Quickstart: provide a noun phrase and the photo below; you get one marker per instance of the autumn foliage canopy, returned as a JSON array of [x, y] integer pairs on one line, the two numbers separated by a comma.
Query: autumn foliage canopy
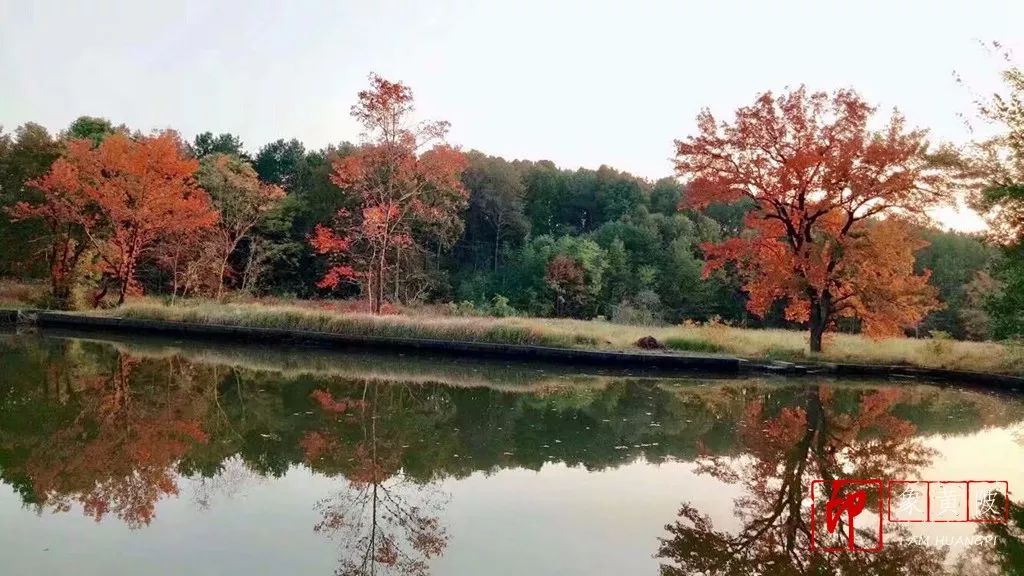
[[241, 199], [827, 234], [115, 201], [404, 200]]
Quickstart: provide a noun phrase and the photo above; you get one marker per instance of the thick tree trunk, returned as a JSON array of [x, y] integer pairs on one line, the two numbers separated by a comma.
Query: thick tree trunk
[[125, 280], [63, 262], [99, 295], [820, 313], [817, 331], [60, 286]]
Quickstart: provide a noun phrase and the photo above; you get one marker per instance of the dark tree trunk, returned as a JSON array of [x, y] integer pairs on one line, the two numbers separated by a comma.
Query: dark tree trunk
[[379, 300], [125, 281], [820, 313], [99, 295]]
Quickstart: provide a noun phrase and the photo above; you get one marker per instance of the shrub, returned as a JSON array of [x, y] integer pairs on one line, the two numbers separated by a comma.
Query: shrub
[[642, 310], [464, 308], [692, 345], [500, 307], [940, 344]]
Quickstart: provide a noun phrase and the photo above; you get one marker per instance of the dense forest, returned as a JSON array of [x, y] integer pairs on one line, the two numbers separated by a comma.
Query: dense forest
[[634, 256], [797, 212]]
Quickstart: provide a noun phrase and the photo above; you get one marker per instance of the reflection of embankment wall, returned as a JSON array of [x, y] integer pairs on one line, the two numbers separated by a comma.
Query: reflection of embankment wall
[[264, 416], [694, 363], [362, 365], [712, 364]]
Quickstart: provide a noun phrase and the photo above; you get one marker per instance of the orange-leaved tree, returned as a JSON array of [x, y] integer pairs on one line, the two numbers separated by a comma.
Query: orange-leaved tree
[[828, 232], [567, 279], [62, 210], [402, 197], [121, 197]]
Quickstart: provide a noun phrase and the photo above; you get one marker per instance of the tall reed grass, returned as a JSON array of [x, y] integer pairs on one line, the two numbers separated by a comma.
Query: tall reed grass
[[707, 338]]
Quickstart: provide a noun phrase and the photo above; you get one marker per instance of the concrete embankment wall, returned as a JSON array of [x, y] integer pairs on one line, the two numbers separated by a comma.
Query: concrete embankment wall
[[668, 361], [214, 332]]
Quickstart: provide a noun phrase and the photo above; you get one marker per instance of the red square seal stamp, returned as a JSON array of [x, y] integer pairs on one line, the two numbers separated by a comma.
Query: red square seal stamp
[[908, 500], [947, 501], [848, 513], [988, 501]]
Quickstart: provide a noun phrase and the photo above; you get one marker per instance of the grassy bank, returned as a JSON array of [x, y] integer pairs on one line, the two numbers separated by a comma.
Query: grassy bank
[[713, 338], [19, 294]]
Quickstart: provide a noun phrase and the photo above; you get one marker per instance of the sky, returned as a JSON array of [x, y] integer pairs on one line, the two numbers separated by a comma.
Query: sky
[[579, 83]]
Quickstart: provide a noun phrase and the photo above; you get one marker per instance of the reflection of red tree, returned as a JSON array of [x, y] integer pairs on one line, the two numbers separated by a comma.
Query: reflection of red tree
[[119, 453], [383, 521], [783, 454], [329, 404]]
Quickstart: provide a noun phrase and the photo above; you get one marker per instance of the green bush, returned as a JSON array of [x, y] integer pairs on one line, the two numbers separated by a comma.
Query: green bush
[[500, 307], [783, 353], [692, 345], [940, 343]]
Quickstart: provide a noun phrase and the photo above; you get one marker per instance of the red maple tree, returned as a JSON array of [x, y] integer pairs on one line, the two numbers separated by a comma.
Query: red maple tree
[[403, 197], [567, 279], [827, 232], [62, 211], [120, 197]]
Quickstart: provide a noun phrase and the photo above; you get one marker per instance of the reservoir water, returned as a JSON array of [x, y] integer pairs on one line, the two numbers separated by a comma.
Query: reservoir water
[[134, 456]]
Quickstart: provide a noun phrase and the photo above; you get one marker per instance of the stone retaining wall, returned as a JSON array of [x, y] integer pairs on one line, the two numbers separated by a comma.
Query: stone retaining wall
[[669, 361]]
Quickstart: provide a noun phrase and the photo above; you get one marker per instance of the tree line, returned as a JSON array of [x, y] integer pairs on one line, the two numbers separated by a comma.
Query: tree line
[[794, 213]]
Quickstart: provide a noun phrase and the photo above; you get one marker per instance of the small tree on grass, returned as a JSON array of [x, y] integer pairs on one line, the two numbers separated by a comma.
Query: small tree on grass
[[402, 199], [62, 210], [567, 281], [825, 235], [243, 202]]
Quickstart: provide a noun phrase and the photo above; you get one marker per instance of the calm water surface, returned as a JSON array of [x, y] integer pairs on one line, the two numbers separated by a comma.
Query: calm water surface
[[148, 457]]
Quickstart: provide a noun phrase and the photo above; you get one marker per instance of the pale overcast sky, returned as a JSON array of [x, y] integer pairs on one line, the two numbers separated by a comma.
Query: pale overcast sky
[[580, 83]]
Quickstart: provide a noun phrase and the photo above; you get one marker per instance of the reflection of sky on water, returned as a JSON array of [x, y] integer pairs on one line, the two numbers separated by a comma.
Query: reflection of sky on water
[[558, 520], [500, 517]]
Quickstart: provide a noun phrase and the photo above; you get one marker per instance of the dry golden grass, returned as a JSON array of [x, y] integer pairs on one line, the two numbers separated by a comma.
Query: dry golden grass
[[793, 345], [470, 329], [18, 293], [747, 343]]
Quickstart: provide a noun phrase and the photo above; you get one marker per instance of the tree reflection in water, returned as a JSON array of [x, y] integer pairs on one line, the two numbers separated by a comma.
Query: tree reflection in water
[[113, 430], [106, 444], [821, 435], [385, 522], [1002, 553]]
